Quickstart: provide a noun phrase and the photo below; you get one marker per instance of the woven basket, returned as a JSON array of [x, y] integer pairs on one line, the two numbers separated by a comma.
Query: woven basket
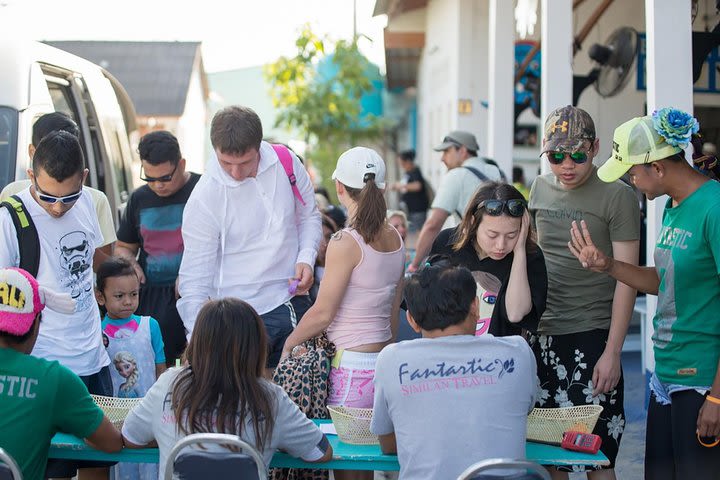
[[115, 409], [547, 425], [353, 424]]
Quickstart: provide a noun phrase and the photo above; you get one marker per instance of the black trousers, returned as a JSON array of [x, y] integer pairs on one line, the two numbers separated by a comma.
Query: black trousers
[[672, 450]]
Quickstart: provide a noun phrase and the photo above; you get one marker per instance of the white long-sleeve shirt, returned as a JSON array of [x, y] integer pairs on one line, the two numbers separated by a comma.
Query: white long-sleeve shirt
[[244, 238]]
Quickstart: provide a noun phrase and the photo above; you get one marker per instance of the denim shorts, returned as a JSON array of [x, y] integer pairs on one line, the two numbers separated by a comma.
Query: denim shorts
[[278, 325]]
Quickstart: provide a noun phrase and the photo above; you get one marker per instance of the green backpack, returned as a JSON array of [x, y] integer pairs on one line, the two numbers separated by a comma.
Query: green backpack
[[27, 235]]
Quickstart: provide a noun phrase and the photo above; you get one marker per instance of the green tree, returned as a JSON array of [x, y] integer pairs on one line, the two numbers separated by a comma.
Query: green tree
[[326, 111]]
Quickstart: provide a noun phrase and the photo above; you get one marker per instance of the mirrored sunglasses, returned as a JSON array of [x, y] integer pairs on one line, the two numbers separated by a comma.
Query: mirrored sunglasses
[[556, 158], [66, 200], [495, 208]]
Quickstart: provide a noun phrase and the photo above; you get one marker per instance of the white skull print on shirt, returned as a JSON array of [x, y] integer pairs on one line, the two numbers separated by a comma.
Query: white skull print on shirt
[[75, 259]]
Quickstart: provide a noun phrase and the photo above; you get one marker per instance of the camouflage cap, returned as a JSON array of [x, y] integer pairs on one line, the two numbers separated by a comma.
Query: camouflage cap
[[566, 129]]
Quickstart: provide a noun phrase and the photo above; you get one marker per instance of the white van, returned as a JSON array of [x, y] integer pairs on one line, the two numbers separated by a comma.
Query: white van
[[38, 79]]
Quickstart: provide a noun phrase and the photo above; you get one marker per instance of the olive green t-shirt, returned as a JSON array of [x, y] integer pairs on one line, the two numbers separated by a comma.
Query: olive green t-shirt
[[39, 398], [579, 300]]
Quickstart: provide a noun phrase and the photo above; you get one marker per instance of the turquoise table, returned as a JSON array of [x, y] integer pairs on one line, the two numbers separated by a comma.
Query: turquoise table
[[345, 456]]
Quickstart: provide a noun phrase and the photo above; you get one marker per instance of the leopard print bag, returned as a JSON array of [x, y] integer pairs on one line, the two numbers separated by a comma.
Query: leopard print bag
[[305, 379]]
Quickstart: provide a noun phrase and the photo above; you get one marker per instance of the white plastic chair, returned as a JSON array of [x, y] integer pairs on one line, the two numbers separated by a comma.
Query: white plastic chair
[[9, 469], [193, 464], [533, 470]]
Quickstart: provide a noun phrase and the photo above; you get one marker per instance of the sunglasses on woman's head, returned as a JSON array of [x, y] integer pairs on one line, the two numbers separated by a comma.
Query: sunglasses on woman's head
[[556, 158], [494, 208], [66, 200]]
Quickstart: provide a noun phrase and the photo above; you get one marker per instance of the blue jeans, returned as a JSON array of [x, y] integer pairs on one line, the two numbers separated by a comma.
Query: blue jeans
[[279, 325]]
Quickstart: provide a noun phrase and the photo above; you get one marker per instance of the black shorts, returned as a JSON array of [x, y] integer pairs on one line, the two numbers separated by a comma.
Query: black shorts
[[279, 325], [99, 383], [565, 365], [159, 302]]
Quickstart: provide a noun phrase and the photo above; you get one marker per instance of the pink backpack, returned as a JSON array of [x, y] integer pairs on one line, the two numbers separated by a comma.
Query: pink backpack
[[287, 162]]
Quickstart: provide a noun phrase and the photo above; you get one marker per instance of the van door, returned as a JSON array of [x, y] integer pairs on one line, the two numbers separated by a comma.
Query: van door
[[70, 95]]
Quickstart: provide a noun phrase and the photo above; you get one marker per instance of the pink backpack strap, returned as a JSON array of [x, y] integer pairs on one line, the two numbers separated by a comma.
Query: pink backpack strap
[[287, 162]]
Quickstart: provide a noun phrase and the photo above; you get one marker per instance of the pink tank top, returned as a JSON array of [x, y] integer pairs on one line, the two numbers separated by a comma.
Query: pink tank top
[[364, 313]]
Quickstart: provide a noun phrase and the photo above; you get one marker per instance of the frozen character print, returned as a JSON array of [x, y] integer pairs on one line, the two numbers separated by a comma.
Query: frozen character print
[[126, 366], [488, 286], [75, 260]]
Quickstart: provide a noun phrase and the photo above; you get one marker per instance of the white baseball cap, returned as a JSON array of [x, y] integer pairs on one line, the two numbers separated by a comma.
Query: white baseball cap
[[355, 166]]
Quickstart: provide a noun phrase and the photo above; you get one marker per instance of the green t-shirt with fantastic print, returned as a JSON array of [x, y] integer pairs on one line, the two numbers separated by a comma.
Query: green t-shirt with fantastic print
[[687, 258], [39, 398]]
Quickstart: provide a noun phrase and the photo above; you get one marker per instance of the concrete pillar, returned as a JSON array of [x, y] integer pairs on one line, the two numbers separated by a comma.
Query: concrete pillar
[[557, 54], [664, 89], [501, 91]]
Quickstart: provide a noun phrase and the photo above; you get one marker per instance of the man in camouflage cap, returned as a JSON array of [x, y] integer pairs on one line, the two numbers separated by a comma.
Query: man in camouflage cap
[[581, 333], [567, 129]]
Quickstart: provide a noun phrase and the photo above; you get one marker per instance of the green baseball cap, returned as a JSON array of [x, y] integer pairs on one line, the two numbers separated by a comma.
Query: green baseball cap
[[566, 130], [635, 142]]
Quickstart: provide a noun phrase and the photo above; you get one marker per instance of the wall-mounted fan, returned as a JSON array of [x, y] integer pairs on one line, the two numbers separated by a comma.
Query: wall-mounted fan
[[614, 62]]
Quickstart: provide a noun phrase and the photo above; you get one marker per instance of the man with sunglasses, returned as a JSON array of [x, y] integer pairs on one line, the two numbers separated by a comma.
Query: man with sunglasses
[[581, 333], [64, 215], [150, 233], [459, 150], [51, 122]]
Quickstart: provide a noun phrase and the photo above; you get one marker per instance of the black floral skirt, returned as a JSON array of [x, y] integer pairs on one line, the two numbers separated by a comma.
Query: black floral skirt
[[565, 366]]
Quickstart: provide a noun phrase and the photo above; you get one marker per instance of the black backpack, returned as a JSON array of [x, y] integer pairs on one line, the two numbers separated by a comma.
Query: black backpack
[[27, 235]]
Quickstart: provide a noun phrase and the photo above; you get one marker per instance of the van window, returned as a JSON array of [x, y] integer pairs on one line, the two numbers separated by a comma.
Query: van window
[[116, 159], [8, 144]]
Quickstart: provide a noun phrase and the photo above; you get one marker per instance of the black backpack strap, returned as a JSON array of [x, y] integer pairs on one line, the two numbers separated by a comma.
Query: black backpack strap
[[479, 175], [27, 235]]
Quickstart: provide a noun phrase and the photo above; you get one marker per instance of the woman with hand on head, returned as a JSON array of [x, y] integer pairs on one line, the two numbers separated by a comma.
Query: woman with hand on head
[[361, 291], [495, 242]]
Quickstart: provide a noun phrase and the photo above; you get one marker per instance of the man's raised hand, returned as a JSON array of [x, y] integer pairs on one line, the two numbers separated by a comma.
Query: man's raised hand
[[582, 246]]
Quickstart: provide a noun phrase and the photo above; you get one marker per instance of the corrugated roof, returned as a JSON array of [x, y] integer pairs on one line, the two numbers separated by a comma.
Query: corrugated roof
[[156, 75]]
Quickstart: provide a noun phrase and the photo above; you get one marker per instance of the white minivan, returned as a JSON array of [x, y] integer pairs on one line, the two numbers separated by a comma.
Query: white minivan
[[38, 79]]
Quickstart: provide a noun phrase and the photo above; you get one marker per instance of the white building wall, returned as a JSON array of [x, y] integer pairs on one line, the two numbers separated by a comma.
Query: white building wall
[[191, 125], [437, 83], [453, 67]]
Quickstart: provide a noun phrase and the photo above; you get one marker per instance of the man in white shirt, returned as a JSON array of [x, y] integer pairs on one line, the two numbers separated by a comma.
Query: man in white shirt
[[246, 232], [51, 122], [64, 216]]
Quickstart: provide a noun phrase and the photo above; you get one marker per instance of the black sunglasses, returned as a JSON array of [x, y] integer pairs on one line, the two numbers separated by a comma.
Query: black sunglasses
[[556, 158], [163, 179], [66, 200], [514, 207]]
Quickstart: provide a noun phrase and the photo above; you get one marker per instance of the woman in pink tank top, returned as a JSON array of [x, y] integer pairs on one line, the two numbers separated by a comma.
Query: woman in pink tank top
[[361, 290]]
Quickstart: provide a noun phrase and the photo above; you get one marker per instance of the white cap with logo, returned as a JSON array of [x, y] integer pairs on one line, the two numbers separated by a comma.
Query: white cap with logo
[[358, 165]]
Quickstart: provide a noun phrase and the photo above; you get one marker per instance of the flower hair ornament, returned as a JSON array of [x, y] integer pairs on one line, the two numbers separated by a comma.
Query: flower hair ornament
[[675, 126]]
